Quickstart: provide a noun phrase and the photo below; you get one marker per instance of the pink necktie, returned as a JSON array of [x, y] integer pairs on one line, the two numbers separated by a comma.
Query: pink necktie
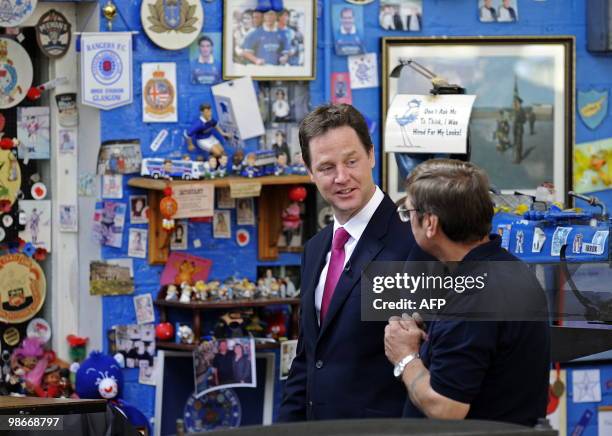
[[336, 265]]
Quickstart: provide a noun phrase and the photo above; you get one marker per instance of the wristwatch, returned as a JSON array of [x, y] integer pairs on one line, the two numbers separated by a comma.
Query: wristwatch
[[401, 365]]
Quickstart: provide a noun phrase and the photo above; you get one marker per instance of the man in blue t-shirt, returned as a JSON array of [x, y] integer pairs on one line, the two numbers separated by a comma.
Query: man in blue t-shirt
[[487, 354], [205, 133], [204, 69], [266, 45], [348, 41]]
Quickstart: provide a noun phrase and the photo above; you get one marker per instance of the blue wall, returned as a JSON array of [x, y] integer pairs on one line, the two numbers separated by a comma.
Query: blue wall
[[441, 17]]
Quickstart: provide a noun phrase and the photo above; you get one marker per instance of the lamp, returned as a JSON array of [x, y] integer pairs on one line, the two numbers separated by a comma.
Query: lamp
[[440, 84]]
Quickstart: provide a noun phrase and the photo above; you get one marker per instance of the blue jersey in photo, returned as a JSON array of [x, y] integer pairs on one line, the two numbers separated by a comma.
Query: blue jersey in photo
[[349, 44], [266, 45], [205, 73]]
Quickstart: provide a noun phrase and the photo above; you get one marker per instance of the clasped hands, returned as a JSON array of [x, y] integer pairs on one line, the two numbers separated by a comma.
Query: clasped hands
[[404, 336]]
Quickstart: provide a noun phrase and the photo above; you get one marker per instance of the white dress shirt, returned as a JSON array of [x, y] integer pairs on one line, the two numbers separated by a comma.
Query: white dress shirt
[[355, 227]]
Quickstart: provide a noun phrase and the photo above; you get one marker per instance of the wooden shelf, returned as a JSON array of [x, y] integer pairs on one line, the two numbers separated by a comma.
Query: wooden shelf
[[201, 305], [160, 184], [167, 345]]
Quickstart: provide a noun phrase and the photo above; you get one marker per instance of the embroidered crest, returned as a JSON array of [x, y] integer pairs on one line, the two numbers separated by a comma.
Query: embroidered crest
[[159, 95], [15, 12], [172, 15], [593, 107], [15, 73]]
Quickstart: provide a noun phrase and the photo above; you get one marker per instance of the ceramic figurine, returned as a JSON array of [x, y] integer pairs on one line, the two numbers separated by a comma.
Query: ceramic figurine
[[201, 290], [185, 334], [281, 164], [211, 167], [249, 169], [186, 291], [222, 169], [171, 293], [205, 133]]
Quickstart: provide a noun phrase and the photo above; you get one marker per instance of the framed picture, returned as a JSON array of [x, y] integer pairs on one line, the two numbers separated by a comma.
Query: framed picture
[[522, 123], [271, 45]]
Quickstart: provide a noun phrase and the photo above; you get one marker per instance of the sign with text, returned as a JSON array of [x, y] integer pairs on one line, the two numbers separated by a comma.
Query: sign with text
[[428, 124], [194, 200], [245, 189], [106, 69]]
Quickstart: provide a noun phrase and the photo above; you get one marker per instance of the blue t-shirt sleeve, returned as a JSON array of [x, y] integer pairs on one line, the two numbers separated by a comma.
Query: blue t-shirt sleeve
[[460, 357], [250, 40]]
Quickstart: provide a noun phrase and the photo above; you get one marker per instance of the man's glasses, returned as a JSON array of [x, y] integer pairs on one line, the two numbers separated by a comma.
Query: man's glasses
[[404, 213]]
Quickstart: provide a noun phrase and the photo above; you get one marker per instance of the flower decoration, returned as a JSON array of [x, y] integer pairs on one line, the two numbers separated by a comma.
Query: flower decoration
[[168, 208], [40, 254]]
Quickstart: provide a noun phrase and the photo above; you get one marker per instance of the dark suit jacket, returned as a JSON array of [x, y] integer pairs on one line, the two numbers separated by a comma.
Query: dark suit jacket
[[340, 369]]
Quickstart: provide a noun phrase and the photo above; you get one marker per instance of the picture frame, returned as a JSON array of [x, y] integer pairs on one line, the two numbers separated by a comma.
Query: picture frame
[[544, 81], [293, 59]]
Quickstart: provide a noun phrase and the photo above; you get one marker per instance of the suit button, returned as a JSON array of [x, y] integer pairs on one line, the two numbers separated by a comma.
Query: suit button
[[319, 364], [310, 403]]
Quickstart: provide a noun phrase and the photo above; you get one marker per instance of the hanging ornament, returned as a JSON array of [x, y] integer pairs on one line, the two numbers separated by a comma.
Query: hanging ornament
[[110, 12], [168, 208]]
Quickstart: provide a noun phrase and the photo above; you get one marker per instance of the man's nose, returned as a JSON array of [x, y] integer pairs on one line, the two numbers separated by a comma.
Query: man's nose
[[342, 174]]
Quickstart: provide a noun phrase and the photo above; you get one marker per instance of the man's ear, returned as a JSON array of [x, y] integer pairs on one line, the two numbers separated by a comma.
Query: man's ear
[[432, 225], [372, 157]]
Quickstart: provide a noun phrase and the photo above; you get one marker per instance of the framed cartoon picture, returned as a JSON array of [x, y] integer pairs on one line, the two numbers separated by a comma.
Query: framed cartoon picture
[[269, 45], [522, 123]]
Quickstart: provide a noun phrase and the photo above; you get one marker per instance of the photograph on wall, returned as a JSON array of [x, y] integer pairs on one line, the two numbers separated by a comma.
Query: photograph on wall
[[159, 92], [205, 59], [224, 199], [269, 45], [37, 223], [500, 11], [33, 132], [347, 22], [283, 139], [224, 363], [180, 236], [341, 88], [68, 114], [287, 354], [593, 166], [67, 140], [138, 209], [108, 222], [364, 71], [137, 243], [111, 277], [521, 123], [68, 218], [136, 342], [222, 224], [245, 212], [403, 15], [181, 267], [146, 372], [280, 109], [143, 307], [112, 186], [119, 156]]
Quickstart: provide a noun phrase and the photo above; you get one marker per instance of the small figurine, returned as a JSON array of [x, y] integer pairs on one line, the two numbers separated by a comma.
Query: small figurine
[[237, 160], [185, 334], [205, 133], [171, 293], [50, 386], [222, 168], [201, 290], [249, 169], [65, 386], [186, 291], [281, 164], [78, 345], [290, 289], [297, 165], [210, 167]]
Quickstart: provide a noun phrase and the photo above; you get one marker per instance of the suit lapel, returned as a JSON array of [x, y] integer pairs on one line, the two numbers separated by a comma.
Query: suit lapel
[[367, 249], [313, 272]]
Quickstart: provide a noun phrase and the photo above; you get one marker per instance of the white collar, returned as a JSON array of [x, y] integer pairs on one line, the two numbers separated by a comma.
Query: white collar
[[211, 61], [351, 32], [204, 120], [268, 29], [357, 224]]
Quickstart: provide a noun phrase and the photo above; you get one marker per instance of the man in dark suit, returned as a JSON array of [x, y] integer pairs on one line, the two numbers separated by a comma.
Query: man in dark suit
[[340, 370]]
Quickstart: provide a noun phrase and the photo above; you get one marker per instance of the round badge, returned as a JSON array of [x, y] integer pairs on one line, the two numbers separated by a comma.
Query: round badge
[[22, 288], [15, 72], [11, 336], [218, 409], [106, 67], [38, 191], [2, 234], [172, 25], [243, 237], [15, 12], [7, 220], [39, 328]]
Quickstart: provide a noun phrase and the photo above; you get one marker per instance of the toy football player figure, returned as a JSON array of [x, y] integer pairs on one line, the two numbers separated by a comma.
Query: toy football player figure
[[205, 133]]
